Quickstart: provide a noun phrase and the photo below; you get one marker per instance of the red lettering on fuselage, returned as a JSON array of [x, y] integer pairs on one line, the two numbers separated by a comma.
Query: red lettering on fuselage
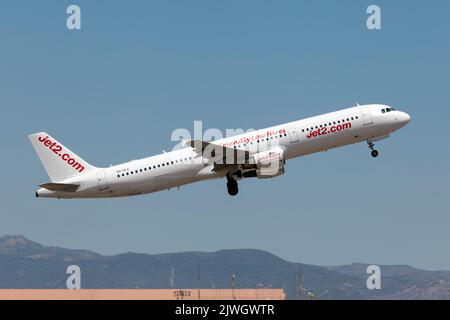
[[326, 130], [256, 137]]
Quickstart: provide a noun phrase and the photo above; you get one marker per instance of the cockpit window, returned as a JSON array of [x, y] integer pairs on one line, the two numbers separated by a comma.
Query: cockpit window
[[387, 110]]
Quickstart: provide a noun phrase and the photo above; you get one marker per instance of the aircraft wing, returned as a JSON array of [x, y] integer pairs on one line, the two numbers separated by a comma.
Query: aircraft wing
[[221, 156]]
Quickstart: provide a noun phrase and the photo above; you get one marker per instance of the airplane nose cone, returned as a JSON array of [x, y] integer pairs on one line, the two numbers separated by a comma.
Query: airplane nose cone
[[403, 118]]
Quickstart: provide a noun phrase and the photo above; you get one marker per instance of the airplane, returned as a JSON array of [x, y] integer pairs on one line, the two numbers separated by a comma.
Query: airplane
[[258, 154]]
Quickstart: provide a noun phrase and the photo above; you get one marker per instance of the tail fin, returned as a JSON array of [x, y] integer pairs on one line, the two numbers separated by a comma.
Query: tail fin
[[59, 162]]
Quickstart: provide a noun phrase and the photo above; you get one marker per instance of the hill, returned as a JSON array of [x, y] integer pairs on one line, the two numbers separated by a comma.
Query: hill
[[26, 264]]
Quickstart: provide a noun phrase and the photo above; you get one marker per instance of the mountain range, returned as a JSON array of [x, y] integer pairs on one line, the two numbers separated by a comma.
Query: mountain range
[[30, 265]]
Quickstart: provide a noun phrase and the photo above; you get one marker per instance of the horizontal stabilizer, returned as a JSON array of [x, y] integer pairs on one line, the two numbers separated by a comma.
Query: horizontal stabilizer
[[66, 187]]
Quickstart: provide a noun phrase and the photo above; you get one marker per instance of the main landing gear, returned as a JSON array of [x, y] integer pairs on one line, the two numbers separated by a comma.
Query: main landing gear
[[374, 152], [232, 186]]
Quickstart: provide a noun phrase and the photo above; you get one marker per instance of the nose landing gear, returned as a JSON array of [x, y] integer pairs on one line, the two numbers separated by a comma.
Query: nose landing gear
[[232, 186], [374, 152]]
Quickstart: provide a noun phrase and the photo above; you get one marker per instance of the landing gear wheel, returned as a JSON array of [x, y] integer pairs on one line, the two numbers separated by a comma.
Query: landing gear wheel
[[232, 186], [232, 191], [374, 153]]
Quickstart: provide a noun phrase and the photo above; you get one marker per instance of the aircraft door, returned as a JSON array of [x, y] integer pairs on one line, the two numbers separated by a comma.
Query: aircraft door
[[366, 116], [293, 137], [101, 181]]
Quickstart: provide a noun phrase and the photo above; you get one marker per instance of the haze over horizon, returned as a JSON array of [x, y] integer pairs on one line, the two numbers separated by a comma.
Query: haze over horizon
[[115, 91]]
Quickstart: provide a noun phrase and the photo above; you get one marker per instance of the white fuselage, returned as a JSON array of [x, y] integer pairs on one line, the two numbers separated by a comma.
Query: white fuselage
[[184, 166]]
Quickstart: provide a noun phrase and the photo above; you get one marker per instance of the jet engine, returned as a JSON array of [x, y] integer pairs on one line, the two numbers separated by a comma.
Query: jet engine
[[268, 164]]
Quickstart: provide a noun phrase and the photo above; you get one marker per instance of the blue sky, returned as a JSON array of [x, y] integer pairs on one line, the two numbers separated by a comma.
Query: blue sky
[[115, 91]]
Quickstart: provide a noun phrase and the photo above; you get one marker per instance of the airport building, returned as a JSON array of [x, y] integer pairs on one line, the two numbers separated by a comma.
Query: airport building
[[142, 294]]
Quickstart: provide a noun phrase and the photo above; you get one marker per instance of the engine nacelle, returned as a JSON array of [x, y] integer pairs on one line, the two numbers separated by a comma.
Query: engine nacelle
[[269, 163]]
